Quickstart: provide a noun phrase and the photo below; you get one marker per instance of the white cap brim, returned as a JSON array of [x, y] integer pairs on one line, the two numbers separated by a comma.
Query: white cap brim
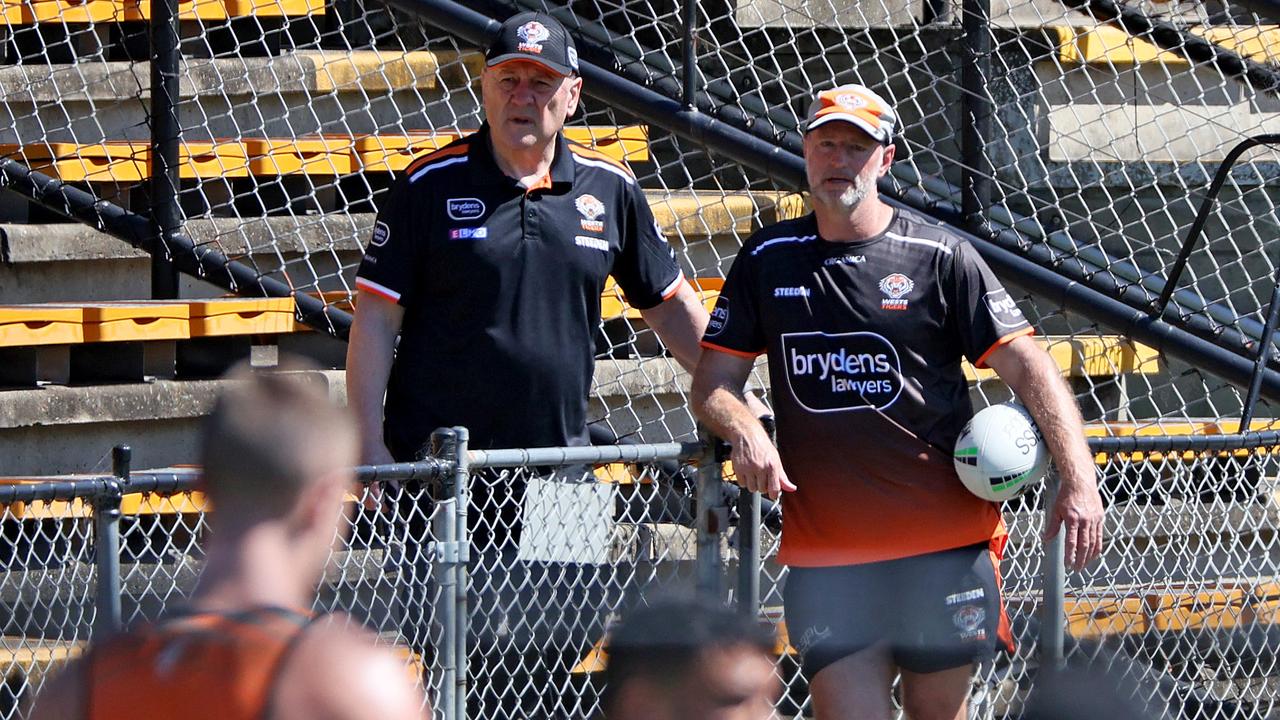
[[877, 133]]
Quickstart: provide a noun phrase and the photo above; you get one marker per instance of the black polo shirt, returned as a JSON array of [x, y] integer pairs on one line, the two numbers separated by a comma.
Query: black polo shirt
[[865, 343], [501, 289]]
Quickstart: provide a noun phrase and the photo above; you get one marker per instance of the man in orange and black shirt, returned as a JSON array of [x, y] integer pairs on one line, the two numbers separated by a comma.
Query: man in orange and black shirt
[[277, 458], [866, 312]]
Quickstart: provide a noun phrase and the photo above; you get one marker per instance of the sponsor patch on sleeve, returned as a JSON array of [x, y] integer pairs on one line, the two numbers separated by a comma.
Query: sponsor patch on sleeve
[[1004, 309], [381, 234], [719, 317]]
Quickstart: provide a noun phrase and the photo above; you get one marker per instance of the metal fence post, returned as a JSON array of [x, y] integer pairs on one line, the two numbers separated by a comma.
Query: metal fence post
[[1052, 614], [461, 497], [444, 562], [106, 543], [749, 553], [976, 112], [713, 517], [749, 541], [689, 55], [166, 214]]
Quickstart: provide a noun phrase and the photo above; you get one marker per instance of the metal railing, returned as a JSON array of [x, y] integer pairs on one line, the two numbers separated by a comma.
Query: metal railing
[[667, 529]]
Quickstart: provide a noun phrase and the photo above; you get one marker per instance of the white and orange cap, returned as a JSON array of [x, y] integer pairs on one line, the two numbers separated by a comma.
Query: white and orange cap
[[854, 104]]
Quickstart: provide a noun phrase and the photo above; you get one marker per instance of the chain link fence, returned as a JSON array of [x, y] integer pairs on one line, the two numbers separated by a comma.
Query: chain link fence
[[1093, 146], [558, 544]]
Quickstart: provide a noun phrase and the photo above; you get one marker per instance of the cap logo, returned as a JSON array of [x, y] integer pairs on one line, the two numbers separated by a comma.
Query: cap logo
[[532, 34], [851, 101], [572, 52], [590, 206]]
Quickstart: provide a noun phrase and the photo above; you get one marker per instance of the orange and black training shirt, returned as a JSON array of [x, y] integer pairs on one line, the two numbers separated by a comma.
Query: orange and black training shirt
[[865, 342], [198, 666]]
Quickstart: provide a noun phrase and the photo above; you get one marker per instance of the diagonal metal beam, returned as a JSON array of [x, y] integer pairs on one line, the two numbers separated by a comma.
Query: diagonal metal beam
[[202, 261]]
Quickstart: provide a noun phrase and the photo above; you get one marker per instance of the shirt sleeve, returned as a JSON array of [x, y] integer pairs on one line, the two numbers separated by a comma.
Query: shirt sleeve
[[986, 316], [646, 268], [390, 260], [734, 326]]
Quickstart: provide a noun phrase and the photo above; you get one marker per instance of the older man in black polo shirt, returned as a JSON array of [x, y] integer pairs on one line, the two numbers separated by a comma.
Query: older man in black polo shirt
[[488, 259]]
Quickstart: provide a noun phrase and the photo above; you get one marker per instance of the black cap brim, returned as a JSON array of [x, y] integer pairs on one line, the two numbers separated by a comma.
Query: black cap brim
[[557, 68]]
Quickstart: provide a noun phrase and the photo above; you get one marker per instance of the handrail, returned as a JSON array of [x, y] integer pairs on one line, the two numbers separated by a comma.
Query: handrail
[[1202, 215], [204, 261]]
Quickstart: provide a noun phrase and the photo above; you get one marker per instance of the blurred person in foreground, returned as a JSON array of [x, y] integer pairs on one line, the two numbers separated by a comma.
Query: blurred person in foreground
[[277, 459], [866, 312], [689, 660]]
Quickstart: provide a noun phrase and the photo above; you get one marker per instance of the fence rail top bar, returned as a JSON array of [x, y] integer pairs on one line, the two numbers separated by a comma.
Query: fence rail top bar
[[56, 489], [425, 469], [585, 455]]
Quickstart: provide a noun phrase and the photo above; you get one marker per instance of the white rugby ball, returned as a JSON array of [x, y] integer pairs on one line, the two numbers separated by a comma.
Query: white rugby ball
[[1000, 453]]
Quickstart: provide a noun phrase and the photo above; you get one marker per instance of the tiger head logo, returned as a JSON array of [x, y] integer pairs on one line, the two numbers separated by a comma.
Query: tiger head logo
[[896, 286]]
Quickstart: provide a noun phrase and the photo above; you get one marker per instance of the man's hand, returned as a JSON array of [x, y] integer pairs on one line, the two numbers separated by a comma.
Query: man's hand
[[374, 452], [1078, 511], [757, 467]]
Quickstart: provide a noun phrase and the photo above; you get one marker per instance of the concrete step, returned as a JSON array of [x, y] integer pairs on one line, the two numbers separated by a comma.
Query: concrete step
[[66, 429], [67, 262]]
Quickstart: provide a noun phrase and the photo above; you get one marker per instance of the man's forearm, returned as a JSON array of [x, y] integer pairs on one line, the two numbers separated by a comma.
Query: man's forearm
[[725, 412], [370, 352], [1049, 400], [679, 322]]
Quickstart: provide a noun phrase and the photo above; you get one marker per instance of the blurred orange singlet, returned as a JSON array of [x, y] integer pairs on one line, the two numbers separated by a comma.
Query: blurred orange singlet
[[196, 666]]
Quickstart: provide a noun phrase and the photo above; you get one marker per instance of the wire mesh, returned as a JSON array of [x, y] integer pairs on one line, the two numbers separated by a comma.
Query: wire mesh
[[296, 116], [47, 586], [558, 552]]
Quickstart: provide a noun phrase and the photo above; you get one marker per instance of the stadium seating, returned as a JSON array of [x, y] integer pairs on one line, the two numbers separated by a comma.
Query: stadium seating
[[1170, 611], [25, 12], [1106, 45], [131, 340], [129, 161]]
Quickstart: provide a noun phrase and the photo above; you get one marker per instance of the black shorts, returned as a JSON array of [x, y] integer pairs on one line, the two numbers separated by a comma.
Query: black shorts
[[937, 611]]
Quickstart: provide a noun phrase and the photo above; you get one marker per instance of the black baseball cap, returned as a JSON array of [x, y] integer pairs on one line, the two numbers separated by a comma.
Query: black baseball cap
[[535, 37]]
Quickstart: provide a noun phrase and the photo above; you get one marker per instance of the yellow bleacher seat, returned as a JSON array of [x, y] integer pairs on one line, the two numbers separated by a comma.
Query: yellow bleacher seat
[[113, 161], [28, 325], [1095, 618], [129, 161], [1218, 426], [113, 11], [242, 316], [1090, 357], [1107, 45], [629, 143], [394, 153], [308, 154], [136, 321], [211, 159]]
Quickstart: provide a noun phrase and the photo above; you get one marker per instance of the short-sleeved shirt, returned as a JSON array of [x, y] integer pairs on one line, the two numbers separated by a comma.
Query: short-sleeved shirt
[[865, 342], [501, 288]]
